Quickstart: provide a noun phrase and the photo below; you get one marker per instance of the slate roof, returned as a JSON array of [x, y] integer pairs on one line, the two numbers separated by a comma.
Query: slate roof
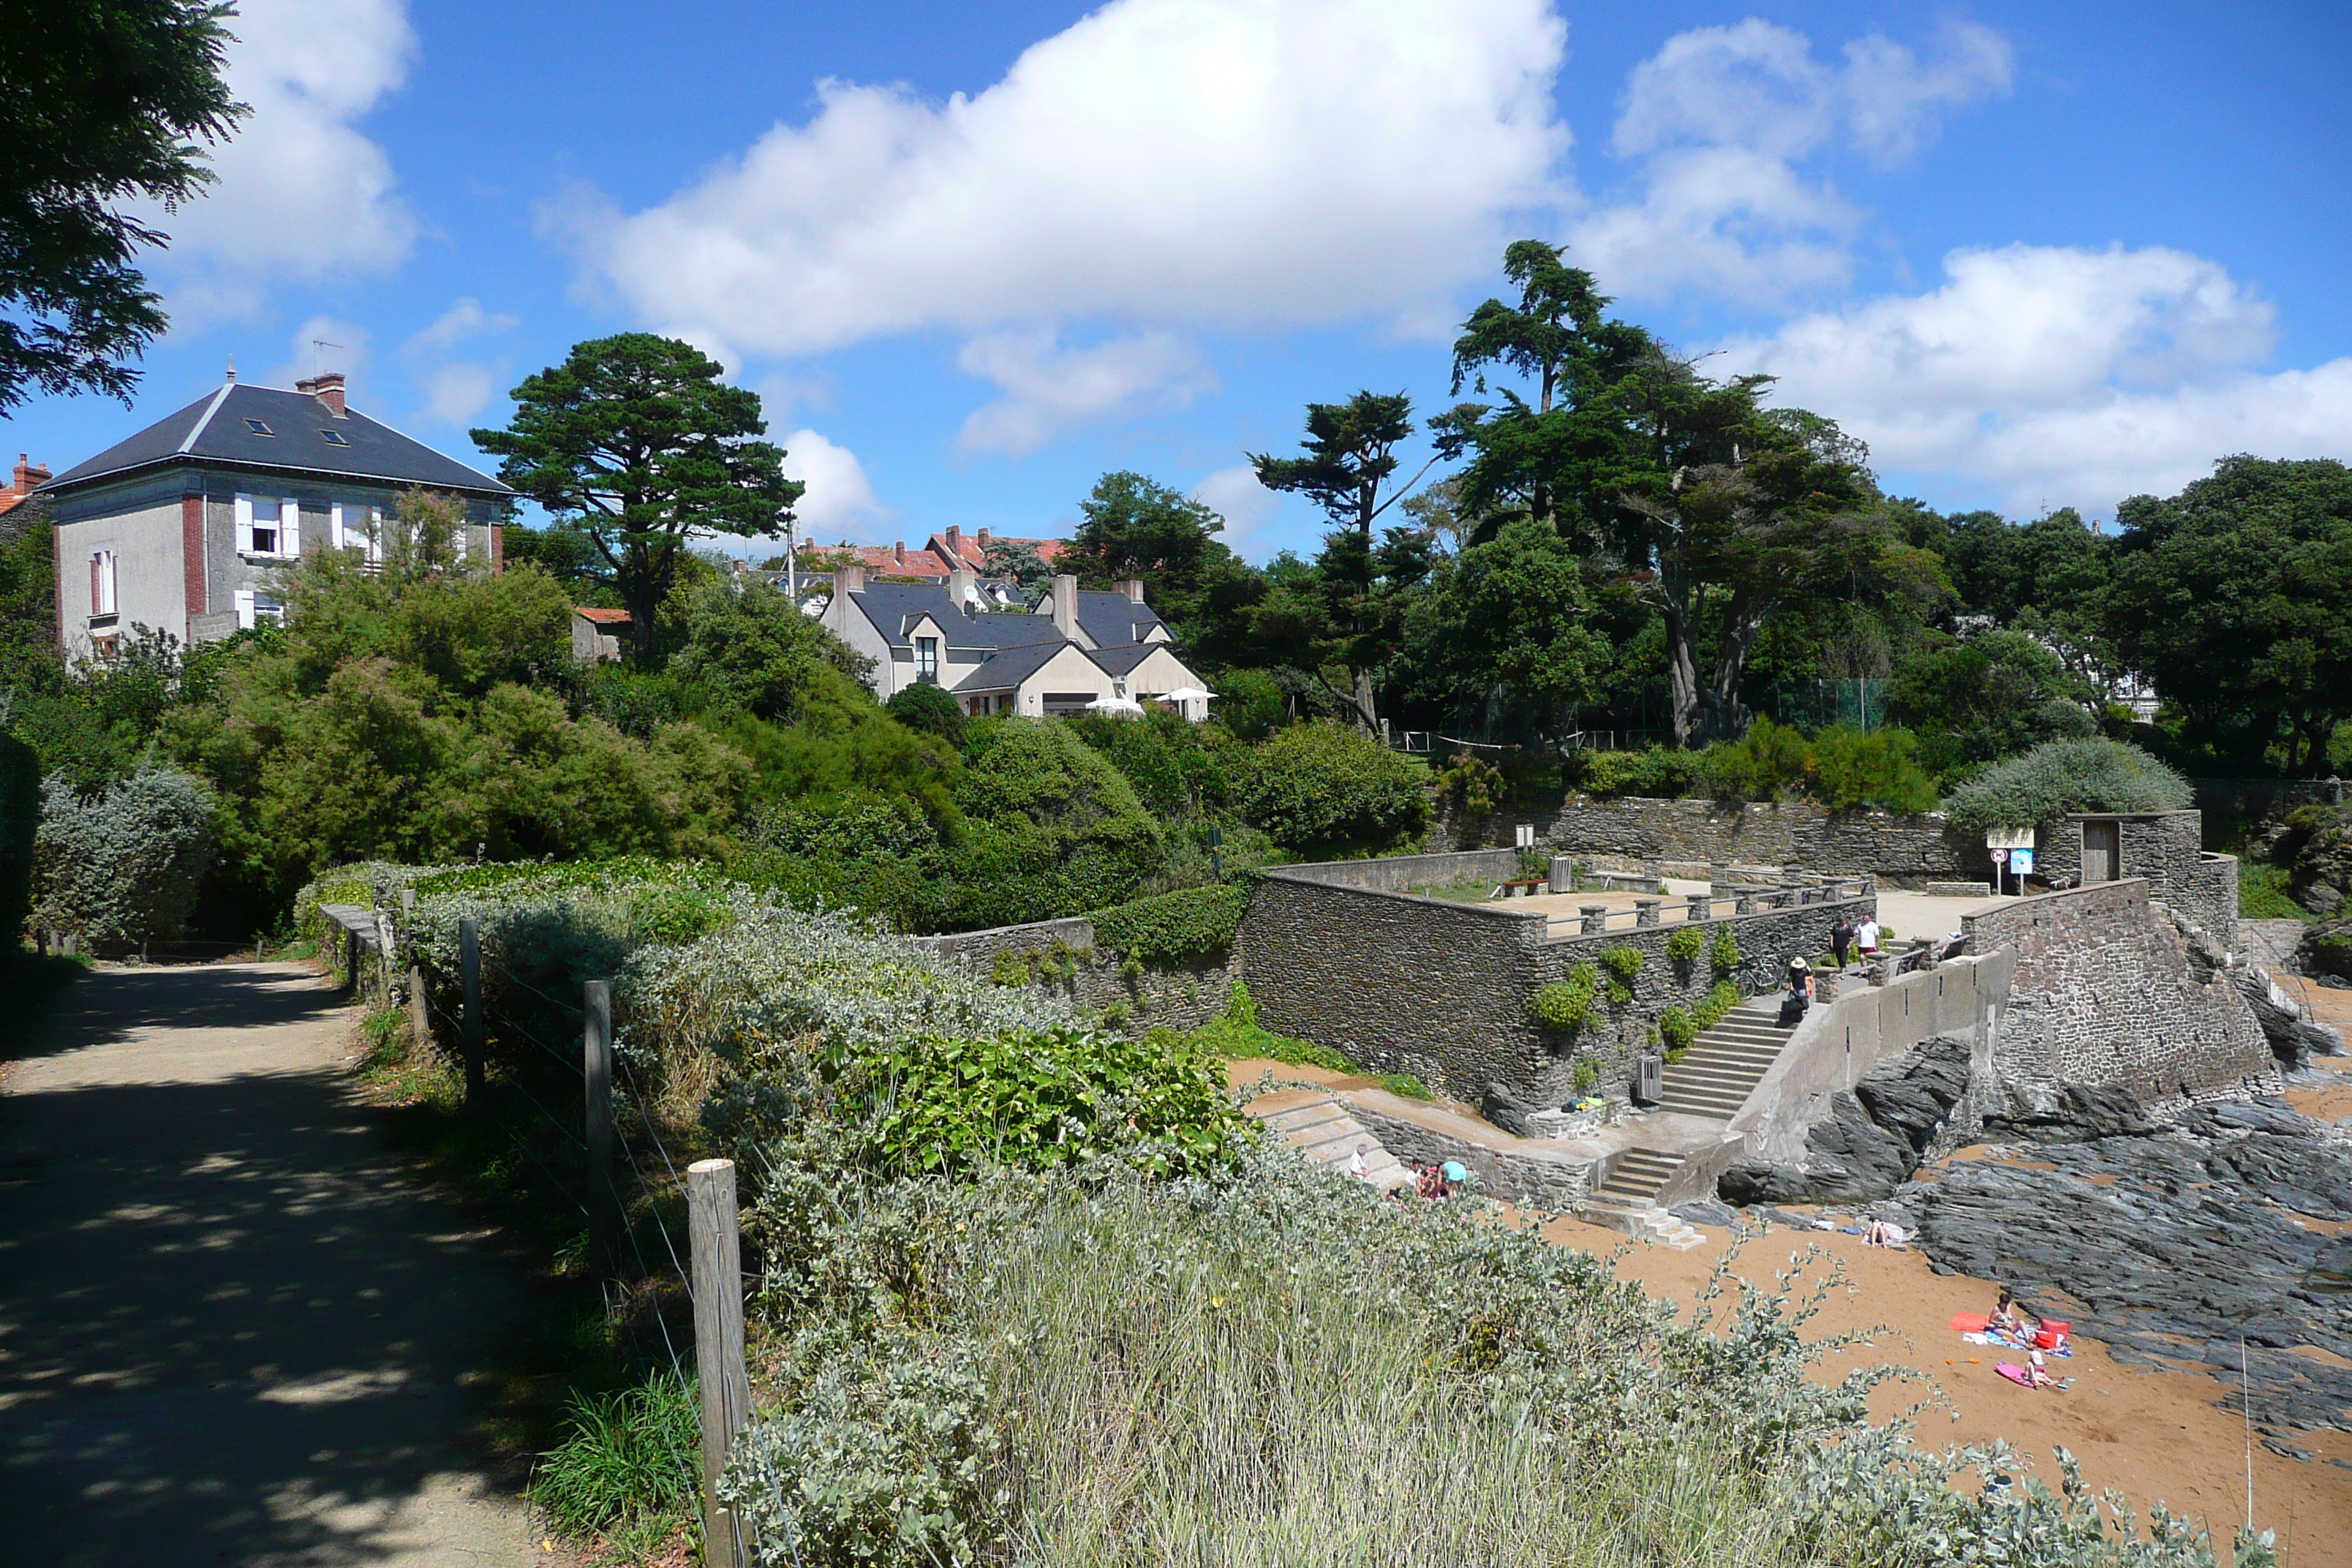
[[1114, 620], [1008, 667], [1122, 660], [213, 430], [893, 606]]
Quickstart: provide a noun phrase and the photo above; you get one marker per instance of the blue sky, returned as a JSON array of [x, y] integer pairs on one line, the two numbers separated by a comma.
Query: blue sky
[[2033, 254]]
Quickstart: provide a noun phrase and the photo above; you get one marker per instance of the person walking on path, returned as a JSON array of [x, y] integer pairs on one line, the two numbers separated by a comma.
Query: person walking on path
[[1840, 940], [237, 1331]]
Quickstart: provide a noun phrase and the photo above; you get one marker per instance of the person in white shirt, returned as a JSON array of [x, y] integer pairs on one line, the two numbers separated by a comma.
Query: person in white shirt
[[1866, 939]]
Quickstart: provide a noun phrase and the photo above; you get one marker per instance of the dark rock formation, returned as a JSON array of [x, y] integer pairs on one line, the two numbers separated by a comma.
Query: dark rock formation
[[1499, 1106], [2081, 1112], [2170, 1246], [1872, 1140], [2294, 1040]]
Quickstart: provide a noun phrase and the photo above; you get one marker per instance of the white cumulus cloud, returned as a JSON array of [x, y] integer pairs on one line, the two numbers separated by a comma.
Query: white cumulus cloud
[[1160, 163], [1049, 389], [839, 504], [301, 194], [2060, 374], [456, 392], [1247, 505], [463, 320], [1716, 125]]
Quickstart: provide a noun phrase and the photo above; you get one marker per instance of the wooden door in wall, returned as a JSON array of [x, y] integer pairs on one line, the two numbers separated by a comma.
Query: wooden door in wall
[[2101, 847]]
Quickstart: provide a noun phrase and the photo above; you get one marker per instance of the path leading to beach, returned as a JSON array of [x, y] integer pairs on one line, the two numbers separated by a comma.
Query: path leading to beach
[[231, 1329]]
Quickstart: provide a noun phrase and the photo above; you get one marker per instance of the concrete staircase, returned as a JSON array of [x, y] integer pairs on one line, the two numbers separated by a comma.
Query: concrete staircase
[[1715, 1076], [1322, 1129], [1628, 1199]]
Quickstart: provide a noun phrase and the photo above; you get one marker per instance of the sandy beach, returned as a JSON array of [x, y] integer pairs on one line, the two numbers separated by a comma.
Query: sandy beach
[[2153, 1434]]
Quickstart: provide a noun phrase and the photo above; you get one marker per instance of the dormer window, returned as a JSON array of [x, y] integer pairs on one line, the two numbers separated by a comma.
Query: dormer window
[[259, 428], [926, 659], [335, 439]]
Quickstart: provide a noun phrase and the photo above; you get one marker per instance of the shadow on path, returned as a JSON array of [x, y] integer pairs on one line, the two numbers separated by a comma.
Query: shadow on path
[[230, 1330]]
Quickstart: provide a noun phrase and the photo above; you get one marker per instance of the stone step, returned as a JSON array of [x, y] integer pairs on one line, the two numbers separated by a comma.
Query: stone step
[[1326, 1132]]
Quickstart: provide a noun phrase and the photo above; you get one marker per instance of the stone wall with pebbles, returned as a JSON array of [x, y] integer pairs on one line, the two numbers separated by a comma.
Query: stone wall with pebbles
[[1903, 851]]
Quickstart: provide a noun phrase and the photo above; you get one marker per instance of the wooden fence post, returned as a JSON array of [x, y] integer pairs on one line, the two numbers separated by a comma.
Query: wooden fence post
[[717, 1344], [596, 1071], [420, 1016], [470, 973]]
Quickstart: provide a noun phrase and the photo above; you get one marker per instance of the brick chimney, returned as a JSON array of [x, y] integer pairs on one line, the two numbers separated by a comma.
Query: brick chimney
[[955, 542], [1065, 605], [982, 537], [29, 477], [1133, 589], [327, 388]]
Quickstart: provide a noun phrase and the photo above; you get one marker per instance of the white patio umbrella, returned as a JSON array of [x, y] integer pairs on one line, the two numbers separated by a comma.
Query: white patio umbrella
[[1114, 705], [1186, 694]]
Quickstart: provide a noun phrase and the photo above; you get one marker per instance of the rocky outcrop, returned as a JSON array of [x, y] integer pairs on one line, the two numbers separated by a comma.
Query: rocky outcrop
[[2168, 1245], [1872, 1140], [2294, 1040], [2320, 875]]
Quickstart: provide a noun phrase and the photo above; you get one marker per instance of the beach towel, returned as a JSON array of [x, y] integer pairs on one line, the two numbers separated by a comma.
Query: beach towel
[[1970, 1322]]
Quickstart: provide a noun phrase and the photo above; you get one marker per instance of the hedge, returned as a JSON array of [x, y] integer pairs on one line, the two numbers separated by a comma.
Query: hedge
[[20, 820], [1188, 924]]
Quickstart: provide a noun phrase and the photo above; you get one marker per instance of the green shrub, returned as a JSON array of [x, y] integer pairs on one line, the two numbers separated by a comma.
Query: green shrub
[[1236, 1034], [20, 821], [1404, 1085], [628, 1466], [924, 706], [1037, 1098], [125, 865], [1329, 789], [1623, 964], [2263, 894], [1685, 944], [1723, 955], [1587, 1074], [1051, 827], [1176, 768], [1658, 772], [1181, 927], [1881, 769], [1010, 968], [1677, 1030], [2064, 776], [1772, 761], [1711, 1011], [1563, 1003], [1472, 783]]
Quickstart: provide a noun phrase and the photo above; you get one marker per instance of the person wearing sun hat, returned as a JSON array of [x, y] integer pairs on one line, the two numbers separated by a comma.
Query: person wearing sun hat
[[1800, 994]]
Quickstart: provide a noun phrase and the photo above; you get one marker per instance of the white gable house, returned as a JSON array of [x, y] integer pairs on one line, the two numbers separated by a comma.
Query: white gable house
[[1073, 650]]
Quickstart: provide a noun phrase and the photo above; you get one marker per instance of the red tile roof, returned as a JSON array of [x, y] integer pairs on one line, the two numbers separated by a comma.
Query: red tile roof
[[936, 557], [602, 618]]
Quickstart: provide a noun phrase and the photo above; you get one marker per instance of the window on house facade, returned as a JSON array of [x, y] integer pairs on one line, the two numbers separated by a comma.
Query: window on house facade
[[270, 526], [926, 659], [356, 525], [101, 585], [258, 610]]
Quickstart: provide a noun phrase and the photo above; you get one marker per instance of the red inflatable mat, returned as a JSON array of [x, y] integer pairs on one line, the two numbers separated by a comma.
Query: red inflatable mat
[[1970, 1322]]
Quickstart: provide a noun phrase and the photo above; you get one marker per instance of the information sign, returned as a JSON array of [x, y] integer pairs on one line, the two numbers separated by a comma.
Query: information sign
[[2009, 838], [2021, 862]]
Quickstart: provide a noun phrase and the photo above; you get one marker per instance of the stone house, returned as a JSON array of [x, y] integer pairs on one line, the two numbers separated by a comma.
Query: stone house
[[596, 634], [186, 526], [1072, 650]]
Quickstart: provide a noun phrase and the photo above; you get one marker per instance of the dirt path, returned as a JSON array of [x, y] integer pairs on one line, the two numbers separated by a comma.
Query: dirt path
[[232, 1330]]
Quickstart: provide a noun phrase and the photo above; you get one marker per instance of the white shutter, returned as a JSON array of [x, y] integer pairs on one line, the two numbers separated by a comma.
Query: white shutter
[[245, 609], [335, 524], [245, 525], [106, 605], [290, 527]]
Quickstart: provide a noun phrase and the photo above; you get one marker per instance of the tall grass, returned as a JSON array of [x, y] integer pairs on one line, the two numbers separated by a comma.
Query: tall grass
[[1090, 1369], [626, 1468]]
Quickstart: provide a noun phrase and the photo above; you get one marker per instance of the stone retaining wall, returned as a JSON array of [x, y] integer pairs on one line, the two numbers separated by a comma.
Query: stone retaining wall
[[2106, 991], [1182, 996], [2163, 847], [1557, 1184], [1904, 851], [1402, 982]]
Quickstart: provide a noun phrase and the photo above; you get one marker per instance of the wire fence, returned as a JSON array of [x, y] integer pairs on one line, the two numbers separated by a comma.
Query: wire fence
[[629, 1208]]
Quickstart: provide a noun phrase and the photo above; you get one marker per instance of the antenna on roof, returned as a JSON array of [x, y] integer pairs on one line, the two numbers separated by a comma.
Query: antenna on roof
[[318, 347], [232, 367]]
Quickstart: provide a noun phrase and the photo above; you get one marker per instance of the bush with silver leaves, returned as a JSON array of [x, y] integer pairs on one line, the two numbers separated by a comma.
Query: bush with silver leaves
[[123, 865]]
